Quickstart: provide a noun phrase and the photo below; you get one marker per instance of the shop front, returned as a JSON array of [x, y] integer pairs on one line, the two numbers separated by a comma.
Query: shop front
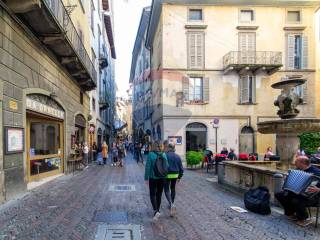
[[44, 137]]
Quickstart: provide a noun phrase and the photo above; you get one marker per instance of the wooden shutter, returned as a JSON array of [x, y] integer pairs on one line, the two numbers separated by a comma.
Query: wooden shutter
[[304, 64], [290, 51], [242, 48], [185, 88], [205, 89], [195, 50], [251, 47], [254, 89], [305, 92], [244, 89]]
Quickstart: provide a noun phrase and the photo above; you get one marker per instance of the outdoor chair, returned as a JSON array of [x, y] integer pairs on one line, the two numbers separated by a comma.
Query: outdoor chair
[[219, 158], [210, 164], [243, 156]]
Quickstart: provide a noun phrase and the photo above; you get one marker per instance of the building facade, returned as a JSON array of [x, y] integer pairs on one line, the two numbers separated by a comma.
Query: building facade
[[45, 75], [140, 81], [100, 17], [213, 63]]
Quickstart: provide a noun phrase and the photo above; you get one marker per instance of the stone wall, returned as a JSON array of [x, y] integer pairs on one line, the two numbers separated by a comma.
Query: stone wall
[[26, 66]]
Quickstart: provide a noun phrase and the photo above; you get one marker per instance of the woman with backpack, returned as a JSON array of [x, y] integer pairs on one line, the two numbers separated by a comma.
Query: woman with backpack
[[155, 174]]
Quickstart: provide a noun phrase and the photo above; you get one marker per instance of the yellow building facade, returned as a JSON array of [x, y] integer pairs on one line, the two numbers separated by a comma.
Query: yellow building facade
[[213, 65]]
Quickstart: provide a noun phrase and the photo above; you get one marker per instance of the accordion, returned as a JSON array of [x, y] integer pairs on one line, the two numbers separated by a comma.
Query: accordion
[[298, 181]]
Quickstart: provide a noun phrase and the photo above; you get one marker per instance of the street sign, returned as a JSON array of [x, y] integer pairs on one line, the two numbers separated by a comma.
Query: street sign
[[215, 122]]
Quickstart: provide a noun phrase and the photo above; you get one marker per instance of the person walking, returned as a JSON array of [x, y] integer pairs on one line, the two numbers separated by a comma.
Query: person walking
[[175, 173], [104, 152], [95, 151], [152, 177], [114, 154], [138, 152], [85, 151], [121, 153]]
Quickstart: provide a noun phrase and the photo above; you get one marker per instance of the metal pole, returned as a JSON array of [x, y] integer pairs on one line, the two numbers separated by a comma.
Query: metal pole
[[216, 139]]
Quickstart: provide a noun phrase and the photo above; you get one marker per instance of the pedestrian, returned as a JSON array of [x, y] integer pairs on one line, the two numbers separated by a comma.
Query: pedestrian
[[114, 154], [138, 152], [85, 151], [268, 154], [175, 173], [121, 153], [155, 182], [104, 152], [165, 145], [94, 151], [232, 155]]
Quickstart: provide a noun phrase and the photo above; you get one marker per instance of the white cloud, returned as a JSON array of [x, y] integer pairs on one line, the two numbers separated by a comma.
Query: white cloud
[[127, 15]]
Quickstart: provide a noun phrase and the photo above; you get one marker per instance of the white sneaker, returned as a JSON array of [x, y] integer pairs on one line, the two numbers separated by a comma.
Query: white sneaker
[[173, 210], [156, 216]]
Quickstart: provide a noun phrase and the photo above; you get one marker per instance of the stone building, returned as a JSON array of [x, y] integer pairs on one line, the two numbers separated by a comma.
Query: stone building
[[45, 73], [213, 63], [140, 81]]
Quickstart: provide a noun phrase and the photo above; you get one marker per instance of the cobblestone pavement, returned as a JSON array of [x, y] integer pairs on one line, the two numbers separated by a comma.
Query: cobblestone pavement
[[65, 208]]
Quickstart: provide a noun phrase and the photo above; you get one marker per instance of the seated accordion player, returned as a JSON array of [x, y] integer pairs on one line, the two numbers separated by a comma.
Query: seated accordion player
[[298, 182]]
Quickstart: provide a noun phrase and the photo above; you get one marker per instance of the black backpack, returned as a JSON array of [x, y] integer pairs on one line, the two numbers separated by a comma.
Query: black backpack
[[160, 168], [257, 200]]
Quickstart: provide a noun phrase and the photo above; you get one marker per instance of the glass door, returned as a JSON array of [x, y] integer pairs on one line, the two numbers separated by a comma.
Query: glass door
[[44, 148]]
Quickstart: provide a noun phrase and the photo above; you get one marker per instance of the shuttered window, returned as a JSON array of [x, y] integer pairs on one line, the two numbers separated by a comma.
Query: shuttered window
[[196, 89], [247, 89], [297, 51], [195, 42], [247, 47]]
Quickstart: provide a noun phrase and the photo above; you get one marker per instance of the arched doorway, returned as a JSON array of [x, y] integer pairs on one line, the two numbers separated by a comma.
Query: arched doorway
[[246, 140], [196, 137]]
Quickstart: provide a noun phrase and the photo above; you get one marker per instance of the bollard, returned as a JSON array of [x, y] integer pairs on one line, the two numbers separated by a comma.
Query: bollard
[[278, 182], [220, 172]]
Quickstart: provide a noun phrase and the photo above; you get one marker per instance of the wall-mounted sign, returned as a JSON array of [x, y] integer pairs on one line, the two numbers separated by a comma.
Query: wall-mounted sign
[[14, 140], [13, 105], [177, 140], [44, 109], [215, 122]]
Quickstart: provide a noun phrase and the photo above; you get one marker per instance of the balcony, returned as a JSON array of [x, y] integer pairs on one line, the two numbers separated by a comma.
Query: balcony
[[243, 62], [103, 103], [49, 20]]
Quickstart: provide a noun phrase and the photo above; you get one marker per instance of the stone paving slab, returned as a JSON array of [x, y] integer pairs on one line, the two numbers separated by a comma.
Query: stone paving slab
[[65, 208]]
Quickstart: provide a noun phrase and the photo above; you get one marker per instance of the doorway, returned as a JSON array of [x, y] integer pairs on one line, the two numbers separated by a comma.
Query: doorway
[[196, 137]]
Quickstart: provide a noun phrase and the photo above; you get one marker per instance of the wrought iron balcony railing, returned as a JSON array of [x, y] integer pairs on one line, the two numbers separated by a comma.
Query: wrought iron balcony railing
[[62, 17], [253, 58]]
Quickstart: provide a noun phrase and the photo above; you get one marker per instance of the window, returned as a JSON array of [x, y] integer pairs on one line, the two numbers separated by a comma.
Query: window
[[196, 89], [93, 104], [195, 50], [293, 16], [81, 97], [92, 17], [302, 91], [246, 15], [247, 89], [297, 51], [195, 14], [247, 47]]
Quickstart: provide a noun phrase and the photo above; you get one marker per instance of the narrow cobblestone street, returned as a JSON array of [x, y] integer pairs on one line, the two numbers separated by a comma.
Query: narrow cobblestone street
[[65, 208]]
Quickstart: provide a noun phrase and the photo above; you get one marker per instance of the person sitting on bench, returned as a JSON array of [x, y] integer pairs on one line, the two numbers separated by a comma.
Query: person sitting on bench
[[295, 206]]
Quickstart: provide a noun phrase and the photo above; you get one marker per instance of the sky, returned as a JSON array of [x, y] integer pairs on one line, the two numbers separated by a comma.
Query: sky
[[127, 15]]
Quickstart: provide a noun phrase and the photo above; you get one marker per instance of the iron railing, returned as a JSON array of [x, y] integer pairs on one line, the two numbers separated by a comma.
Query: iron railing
[[252, 58], [62, 17]]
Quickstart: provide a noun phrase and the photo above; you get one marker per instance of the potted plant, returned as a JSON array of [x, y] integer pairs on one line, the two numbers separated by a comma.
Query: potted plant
[[194, 158]]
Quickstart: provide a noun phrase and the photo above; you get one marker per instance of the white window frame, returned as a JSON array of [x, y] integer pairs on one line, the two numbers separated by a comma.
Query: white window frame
[[253, 15], [195, 20], [193, 94], [293, 10]]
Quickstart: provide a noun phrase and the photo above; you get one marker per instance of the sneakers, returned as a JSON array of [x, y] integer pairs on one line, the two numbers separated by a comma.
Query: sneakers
[[304, 223], [156, 216], [173, 210]]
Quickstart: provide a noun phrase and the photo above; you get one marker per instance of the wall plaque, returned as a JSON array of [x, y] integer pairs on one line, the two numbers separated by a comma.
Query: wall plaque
[[13, 105]]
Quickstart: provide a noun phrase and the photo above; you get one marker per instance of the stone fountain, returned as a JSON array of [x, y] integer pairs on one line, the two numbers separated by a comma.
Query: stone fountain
[[289, 128], [241, 175]]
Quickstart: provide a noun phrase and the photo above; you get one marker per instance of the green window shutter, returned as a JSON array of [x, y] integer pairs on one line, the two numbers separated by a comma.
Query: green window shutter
[[290, 51], [305, 92], [185, 87], [206, 89], [304, 64]]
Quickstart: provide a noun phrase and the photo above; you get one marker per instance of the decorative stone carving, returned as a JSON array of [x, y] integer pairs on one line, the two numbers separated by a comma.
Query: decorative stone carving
[[288, 100]]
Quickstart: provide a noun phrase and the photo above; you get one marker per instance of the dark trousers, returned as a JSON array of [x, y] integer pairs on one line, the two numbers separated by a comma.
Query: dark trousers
[[104, 160], [295, 204], [139, 156], [170, 189], [156, 189]]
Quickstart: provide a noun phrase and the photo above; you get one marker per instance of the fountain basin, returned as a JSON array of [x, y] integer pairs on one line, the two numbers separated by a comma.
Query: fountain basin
[[297, 125]]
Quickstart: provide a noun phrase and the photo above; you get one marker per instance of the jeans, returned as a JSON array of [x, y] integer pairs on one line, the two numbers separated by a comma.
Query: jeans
[[170, 189], [156, 189], [295, 204]]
